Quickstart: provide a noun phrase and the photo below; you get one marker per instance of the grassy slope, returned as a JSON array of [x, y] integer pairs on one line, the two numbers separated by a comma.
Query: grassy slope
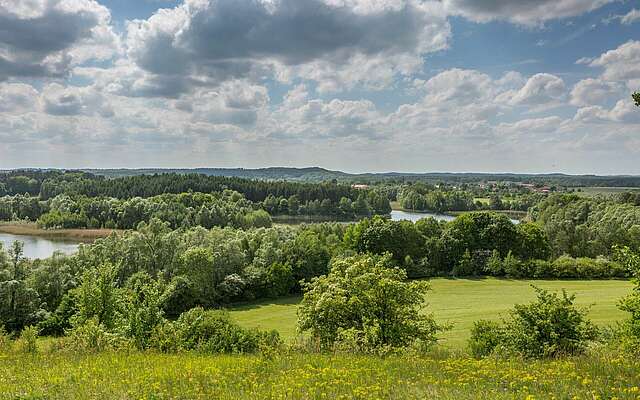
[[31, 229], [310, 376], [461, 302]]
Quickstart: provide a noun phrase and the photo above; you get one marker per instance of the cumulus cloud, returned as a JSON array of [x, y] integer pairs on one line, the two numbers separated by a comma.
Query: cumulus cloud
[[18, 97], [540, 90], [74, 101], [203, 42], [44, 38], [592, 92], [530, 12], [620, 64]]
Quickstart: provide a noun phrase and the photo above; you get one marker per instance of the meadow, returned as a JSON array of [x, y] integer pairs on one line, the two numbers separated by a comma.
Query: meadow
[[460, 302], [134, 375]]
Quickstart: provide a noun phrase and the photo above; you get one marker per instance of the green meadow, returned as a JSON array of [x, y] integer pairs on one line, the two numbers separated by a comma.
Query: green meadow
[[460, 302]]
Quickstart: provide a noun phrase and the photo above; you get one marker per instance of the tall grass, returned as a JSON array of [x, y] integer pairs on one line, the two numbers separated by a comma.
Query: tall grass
[[134, 375]]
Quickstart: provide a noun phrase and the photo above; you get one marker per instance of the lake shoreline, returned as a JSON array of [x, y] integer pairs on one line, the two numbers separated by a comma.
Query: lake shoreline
[[70, 235]]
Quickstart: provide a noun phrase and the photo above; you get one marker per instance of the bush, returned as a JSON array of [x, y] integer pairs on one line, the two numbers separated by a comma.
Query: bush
[[549, 327], [366, 302], [631, 303], [215, 332], [485, 337], [165, 338], [95, 337], [28, 340], [5, 341]]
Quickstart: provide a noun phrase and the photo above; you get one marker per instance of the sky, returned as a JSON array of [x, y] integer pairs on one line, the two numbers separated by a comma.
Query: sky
[[532, 86]]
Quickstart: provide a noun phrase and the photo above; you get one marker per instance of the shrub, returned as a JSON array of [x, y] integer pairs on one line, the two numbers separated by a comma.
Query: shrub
[[95, 337], [28, 340], [485, 337], [165, 338], [215, 332], [631, 303], [5, 340], [366, 301], [494, 264], [549, 327]]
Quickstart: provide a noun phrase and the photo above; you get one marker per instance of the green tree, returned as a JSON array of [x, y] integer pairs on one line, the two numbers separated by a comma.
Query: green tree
[[307, 256], [98, 297], [364, 296], [19, 303], [636, 98]]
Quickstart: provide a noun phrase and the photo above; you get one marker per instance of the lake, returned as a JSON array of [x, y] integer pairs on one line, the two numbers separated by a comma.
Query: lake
[[37, 247], [398, 215]]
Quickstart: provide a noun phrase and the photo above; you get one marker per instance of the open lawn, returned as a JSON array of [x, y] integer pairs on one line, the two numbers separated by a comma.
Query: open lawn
[[460, 302]]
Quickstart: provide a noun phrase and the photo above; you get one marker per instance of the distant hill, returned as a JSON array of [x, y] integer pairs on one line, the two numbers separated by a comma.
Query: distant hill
[[317, 174], [311, 174]]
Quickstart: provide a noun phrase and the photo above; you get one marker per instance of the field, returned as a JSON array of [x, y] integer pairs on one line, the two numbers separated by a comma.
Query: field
[[133, 375], [31, 229], [460, 302]]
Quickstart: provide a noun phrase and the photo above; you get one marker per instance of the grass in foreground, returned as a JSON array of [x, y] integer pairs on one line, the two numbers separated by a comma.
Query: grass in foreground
[[461, 302], [31, 229], [302, 376]]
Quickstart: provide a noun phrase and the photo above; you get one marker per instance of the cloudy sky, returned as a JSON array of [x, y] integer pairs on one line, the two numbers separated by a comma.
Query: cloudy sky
[[356, 85]]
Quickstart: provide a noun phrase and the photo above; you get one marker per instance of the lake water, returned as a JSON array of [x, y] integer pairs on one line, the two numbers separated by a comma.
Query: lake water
[[37, 247], [397, 215]]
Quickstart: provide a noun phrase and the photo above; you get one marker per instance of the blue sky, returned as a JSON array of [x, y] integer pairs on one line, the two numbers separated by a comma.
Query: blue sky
[[357, 85]]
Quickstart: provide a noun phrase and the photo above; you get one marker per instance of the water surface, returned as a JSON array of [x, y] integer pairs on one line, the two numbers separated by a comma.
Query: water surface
[[37, 247]]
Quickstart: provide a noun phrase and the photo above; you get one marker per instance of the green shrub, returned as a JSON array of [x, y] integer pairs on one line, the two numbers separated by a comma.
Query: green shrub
[[631, 303], [485, 337], [94, 337], [165, 338], [551, 326], [215, 332], [5, 341], [28, 340]]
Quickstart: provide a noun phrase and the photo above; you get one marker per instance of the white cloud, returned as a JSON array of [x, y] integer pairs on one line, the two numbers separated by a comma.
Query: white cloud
[[592, 91], [631, 17], [339, 44], [18, 97], [73, 101], [45, 38], [529, 12], [620, 64], [540, 90]]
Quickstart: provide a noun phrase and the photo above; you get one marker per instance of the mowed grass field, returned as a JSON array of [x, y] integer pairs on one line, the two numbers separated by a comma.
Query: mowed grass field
[[460, 302]]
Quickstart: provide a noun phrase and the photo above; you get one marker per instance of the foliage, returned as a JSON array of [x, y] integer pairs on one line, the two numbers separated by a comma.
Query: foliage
[[631, 303], [548, 327], [367, 298], [19, 305], [588, 227], [636, 98], [28, 340], [485, 337], [97, 298], [214, 332]]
